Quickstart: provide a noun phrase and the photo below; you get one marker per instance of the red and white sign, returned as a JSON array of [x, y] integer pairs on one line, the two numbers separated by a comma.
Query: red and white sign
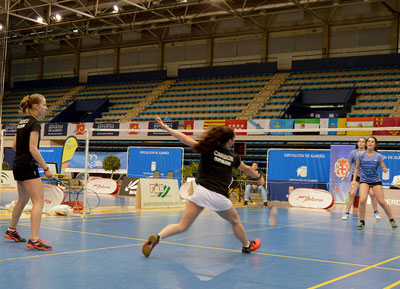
[[53, 196], [311, 198], [102, 186]]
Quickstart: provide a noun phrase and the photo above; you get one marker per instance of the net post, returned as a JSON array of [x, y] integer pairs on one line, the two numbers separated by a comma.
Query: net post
[[87, 133]]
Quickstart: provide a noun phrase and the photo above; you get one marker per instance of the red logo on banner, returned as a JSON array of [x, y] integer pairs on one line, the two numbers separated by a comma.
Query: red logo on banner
[[189, 124], [80, 129], [340, 167], [133, 125], [237, 124]]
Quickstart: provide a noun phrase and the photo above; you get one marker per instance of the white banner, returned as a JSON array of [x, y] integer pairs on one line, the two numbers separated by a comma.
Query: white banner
[[7, 181], [77, 129], [157, 193]]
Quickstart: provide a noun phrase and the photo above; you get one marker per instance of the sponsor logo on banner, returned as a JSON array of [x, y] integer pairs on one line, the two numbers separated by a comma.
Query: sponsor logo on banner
[[55, 129], [160, 193], [133, 126], [95, 162], [302, 171], [340, 167], [80, 129], [7, 180], [237, 124], [102, 186], [155, 125], [160, 190], [10, 129], [129, 186], [311, 198], [189, 125], [106, 126]]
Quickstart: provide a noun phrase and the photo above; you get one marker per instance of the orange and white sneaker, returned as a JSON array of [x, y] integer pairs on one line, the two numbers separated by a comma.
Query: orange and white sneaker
[[38, 244], [14, 235], [150, 244], [254, 245]]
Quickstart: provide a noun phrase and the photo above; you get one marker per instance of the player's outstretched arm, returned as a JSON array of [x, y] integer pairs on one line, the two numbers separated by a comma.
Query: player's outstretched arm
[[180, 136]]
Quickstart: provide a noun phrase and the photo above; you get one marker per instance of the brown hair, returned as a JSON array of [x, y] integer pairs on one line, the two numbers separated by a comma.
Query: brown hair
[[376, 143], [26, 103], [215, 137]]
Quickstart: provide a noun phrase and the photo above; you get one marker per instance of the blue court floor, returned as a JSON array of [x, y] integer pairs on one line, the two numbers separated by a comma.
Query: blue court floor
[[308, 249]]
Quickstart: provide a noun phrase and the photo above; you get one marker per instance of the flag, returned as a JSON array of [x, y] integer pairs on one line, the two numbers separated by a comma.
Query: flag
[[199, 125], [360, 122], [213, 122], [387, 122], [188, 125], [324, 123], [257, 124], [341, 123], [281, 124], [237, 124], [70, 146], [304, 123]]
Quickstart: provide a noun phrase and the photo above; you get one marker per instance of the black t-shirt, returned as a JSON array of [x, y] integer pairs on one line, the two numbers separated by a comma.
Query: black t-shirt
[[215, 170], [24, 129]]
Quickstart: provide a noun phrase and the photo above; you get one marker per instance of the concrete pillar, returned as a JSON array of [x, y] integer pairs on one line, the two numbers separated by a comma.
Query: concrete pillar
[[77, 61], [210, 51], [160, 57], [264, 46], [117, 52], [395, 36], [325, 41]]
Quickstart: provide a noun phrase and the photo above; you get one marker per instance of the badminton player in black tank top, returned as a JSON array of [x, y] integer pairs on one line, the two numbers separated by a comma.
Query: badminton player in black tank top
[[213, 178], [25, 169]]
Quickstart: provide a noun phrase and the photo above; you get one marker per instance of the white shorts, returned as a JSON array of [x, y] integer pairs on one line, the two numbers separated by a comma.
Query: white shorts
[[205, 198]]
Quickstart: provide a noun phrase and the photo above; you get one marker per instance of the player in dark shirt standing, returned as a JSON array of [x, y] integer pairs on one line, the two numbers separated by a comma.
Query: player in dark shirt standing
[[213, 178], [25, 169]]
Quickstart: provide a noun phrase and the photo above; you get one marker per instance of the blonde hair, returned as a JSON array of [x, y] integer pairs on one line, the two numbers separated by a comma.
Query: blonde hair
[[28, 101]]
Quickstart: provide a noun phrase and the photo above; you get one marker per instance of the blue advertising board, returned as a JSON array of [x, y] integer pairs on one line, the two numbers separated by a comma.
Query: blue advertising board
[[392, 162], [291, 169], [309, 166], [95, 161], [144, 162]]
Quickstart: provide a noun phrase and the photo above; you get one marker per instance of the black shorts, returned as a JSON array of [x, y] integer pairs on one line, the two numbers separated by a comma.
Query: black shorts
[[357, 179], [23, 172], [372, 184]]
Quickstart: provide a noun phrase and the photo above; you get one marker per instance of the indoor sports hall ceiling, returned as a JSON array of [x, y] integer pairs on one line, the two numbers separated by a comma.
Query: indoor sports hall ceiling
[[31, 23]]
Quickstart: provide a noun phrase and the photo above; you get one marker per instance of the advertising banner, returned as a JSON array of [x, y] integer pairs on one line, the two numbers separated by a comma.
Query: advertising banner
[[95, 162], [154, 125], [157, 193], [147, 162], [338, 164], [55, 129], [106, 126], [291, 169]]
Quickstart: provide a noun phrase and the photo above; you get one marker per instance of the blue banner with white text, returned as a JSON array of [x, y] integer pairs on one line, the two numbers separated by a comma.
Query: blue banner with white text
[[296, 168], [157, 162]]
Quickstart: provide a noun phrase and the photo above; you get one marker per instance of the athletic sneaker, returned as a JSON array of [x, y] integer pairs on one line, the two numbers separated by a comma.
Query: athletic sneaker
[[360, 226], [14, 235], [39, 244], [346, 216], [150, 244], [265, 205], [394, 225], [254, 245], [377, 216], [246, 203]]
